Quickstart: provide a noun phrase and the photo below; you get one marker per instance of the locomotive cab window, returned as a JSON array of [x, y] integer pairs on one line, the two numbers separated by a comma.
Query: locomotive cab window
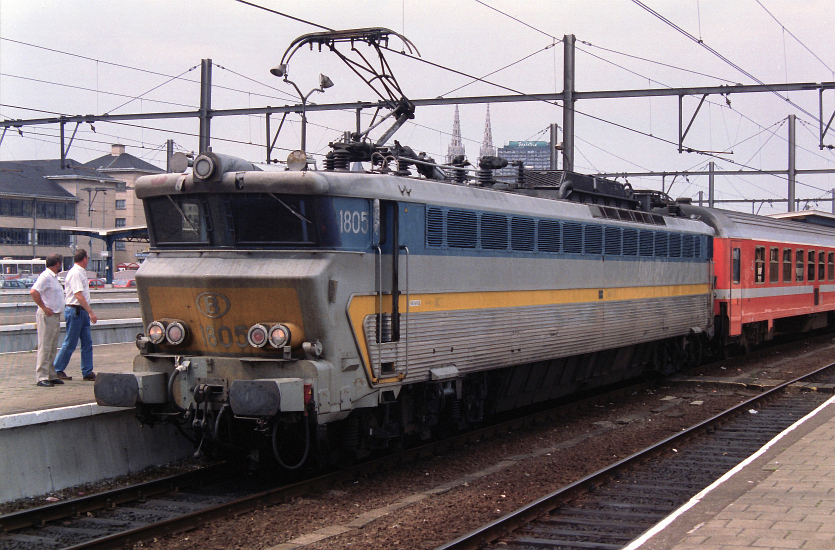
[[798, 271], [270, 219], [182, 220], [759, 264], [811, 264], [736, 257]]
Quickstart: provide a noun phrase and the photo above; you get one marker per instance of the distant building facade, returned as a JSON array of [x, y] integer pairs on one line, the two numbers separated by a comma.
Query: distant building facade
[[535, 155], [39, 197], [35, 204], [126, 210]]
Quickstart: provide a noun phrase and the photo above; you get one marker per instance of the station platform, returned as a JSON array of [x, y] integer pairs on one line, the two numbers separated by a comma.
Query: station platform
[[783, 496], [52, 438], [19, 394]]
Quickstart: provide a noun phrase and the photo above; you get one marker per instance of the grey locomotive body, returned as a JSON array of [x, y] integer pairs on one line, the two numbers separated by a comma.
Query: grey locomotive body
[[332, 312]]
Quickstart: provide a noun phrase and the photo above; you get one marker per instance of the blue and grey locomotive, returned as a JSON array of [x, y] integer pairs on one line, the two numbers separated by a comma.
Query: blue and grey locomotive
[[322, 313], [341, 311]]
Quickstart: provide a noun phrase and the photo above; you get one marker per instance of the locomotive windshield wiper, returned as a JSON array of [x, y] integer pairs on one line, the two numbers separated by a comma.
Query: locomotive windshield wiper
[[183, 214], [285, 205]]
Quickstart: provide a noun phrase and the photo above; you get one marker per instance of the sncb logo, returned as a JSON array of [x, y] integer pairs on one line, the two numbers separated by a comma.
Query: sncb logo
[[213, 305]]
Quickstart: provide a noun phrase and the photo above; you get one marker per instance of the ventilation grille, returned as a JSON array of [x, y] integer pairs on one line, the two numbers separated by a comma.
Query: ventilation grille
[[522, 231], [462, 229], [493, 231], [593, 243], [549, 236]]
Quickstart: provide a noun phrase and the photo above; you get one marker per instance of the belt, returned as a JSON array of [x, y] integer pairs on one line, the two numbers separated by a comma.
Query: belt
[[74, 306]]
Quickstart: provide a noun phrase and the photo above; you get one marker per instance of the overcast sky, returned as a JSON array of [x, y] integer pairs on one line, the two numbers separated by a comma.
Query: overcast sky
[[95, 57]]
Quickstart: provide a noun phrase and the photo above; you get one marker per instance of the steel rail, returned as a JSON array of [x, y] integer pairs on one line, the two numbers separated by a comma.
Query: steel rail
[[110, 499], [106, 499], [517, 519]]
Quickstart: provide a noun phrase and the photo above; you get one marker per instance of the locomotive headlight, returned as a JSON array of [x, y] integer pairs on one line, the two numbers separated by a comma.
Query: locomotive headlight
[[204, 166], [257, 336], [279, 336], [156, 332], [176, 333]]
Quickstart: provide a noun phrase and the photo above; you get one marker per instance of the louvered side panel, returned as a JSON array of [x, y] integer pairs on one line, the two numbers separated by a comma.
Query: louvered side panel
[[474, 340]]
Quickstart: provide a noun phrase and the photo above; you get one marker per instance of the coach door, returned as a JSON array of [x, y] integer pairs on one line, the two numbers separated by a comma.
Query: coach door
[[390, 358], [735, 295]]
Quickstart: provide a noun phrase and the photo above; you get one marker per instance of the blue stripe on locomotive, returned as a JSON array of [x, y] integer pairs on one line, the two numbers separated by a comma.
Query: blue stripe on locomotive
[[443, 231]]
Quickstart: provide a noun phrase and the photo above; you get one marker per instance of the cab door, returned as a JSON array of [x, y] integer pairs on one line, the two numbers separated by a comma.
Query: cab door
[[390, 358]]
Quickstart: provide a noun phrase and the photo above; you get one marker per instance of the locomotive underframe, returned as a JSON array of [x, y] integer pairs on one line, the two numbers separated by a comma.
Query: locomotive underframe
[[200, 387]]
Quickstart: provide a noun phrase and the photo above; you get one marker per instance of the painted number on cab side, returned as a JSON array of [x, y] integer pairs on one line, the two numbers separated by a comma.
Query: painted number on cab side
[[353, 221]]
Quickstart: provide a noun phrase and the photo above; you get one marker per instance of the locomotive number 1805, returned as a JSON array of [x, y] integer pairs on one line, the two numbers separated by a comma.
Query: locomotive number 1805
[[353, 221]]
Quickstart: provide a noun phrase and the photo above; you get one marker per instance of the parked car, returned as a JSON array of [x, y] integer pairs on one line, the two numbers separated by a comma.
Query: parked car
[[12, 284], [29, 281], [96, 284], [124, 283]]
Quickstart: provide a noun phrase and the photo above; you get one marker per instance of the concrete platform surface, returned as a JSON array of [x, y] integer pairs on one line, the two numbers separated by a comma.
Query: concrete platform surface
[[781, 497], [54, 438], [19, 394]]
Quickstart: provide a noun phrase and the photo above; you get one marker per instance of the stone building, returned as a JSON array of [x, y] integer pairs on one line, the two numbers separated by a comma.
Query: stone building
[[39, 197]]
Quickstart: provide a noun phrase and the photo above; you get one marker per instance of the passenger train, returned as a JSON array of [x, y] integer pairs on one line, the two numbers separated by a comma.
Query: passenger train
[[330, 313], [319, 315]]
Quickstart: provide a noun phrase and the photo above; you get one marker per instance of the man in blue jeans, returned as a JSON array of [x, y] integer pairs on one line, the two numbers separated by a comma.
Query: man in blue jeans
[[78, 315]]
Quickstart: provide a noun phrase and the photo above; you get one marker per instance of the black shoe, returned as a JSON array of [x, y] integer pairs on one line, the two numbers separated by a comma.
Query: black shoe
[[45, 383], [56, 381], [90, 377], [62, 376]]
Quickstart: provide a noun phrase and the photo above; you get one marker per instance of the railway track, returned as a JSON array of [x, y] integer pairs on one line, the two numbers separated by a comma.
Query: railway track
[[612, 507], [122, 517], [119, 518]]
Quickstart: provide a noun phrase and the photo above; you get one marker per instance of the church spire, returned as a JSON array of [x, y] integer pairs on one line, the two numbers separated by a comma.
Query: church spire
[[487, 149], [456, 146]]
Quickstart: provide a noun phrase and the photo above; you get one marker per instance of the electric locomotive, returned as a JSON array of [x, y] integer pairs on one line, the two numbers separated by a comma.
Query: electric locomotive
[[328, 313], [339, 312]]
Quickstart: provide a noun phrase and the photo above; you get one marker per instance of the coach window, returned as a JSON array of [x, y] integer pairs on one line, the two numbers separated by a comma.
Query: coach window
[[774, 266], [736, 258], [787, 265], [811, 266], [831, 267], [821, 265], [759, 264], [798, 269]]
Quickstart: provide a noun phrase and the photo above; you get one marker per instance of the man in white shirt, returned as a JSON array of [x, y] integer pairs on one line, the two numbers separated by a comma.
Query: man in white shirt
[[78, 315], [49, 295]]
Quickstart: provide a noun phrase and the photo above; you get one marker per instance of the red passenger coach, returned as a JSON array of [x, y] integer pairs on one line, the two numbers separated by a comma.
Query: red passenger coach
[[772, 276]]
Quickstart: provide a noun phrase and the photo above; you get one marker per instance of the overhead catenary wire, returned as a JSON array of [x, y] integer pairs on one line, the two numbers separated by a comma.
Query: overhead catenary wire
[[662, 64], [282, 14], [705, 153], [796, 38], [551, 36], [717, 54], [173, 78], [548, 47], [85, 89], [474, 141], [147, 71]]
